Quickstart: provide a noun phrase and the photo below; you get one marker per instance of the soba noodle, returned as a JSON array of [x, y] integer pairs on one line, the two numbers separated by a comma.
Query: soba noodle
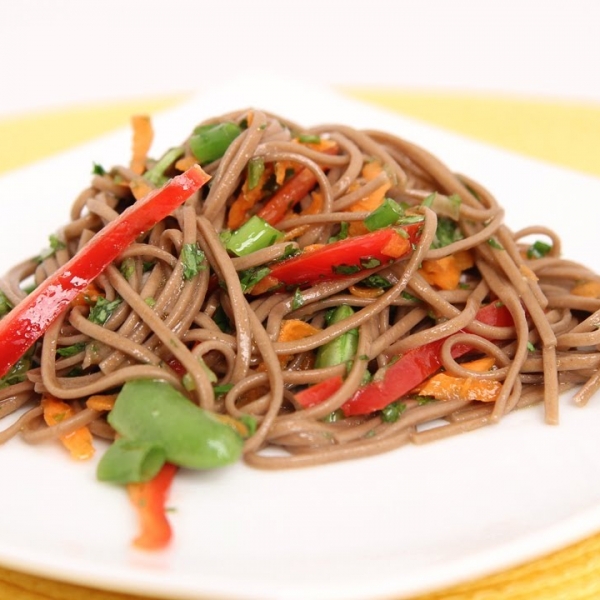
[[551, 346]]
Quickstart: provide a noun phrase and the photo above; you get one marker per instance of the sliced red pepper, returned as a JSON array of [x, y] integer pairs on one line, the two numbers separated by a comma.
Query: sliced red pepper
[[149, 500], [346, 257], [411, 369], [27, 321], [315, 394], [291, 192]]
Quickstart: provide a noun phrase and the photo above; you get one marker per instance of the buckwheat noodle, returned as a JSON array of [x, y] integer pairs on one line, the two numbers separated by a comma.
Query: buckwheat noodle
[[552, 347]]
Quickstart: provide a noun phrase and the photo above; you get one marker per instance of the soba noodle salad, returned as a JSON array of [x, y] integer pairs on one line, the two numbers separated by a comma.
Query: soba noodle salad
[[287, 296]]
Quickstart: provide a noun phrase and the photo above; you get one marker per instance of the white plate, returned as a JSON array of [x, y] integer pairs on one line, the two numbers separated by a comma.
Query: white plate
[[394, 525]]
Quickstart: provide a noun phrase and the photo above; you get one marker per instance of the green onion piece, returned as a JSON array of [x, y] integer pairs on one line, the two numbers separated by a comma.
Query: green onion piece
[[128, 461], [156, 175], [342, 348], [255, 234], [538, 249], [384, 215], [155, 413], [127, 268], [209, 142], [342, 234], [256, 168], [309, 138]]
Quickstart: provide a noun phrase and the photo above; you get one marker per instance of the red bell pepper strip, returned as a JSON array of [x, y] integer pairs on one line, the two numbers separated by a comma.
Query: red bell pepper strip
[[291, 192], [27, 321], [315, 394], [411, 369], [361, 253], [149, 500]]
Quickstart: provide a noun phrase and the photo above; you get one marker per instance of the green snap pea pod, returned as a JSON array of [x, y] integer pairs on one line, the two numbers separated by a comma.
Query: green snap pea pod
[[150, 415]]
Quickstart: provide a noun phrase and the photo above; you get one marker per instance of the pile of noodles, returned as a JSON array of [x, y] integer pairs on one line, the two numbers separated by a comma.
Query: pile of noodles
[[551, 348]]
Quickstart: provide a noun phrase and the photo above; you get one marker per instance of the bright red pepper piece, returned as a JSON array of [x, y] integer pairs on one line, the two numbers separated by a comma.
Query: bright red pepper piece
[[411, 369], [27, 321], [315, 394], [149, 500], [290, 193], [346, 257]]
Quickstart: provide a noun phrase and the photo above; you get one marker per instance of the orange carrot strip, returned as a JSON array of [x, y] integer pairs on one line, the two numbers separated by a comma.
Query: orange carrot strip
[[291, 330], [142, 140], [365, 292], [101, 402], [89, 296], [79, 442], [140, 188], [443, 272], [184, 163], [449, 387], [589, 289]]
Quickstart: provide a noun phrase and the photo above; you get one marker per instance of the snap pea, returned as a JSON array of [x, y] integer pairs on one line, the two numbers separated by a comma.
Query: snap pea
[[128, 461], [151, 415]]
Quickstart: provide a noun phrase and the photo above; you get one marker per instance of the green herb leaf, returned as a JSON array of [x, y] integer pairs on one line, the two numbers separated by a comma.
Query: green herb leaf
[[250, 277], [298, 300], [67, 351], [193, 260], [494, 243], [103, 309], [446, 233], [98, 169], [391, 413], [5, 305], [342, 234], [345, 269], [376, 281]]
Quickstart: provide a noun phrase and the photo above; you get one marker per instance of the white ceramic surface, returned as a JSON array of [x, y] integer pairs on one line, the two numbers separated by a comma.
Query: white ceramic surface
[[393, 525]]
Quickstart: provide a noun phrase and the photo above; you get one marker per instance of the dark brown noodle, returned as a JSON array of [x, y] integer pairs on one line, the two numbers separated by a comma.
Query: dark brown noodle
[[142, 339]]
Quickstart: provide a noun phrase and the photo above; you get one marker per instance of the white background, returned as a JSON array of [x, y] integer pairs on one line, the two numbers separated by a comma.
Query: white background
[[61, 52]]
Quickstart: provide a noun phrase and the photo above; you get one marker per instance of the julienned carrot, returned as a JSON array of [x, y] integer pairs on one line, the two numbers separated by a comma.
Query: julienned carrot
[[445, 272], [369, 203], [446, 387], [101, 402], [149, 500], [588, 289], [291, 192], [291, 330], [79, 442], [142, 140]]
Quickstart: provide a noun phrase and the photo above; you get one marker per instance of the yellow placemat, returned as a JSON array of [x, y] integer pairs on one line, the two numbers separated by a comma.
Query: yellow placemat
[[562, 133]]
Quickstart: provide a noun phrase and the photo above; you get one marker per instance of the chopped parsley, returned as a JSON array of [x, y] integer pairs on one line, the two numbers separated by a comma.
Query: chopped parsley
[[447, 233], [250, 277], [5, 305], [298, 299], [494, 243], [98, 169], [342, 234], [376, 281], [103, 309], [18, 372], [345, 269], [369, 263], [391, 413], [72, 350], [192, 259]]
